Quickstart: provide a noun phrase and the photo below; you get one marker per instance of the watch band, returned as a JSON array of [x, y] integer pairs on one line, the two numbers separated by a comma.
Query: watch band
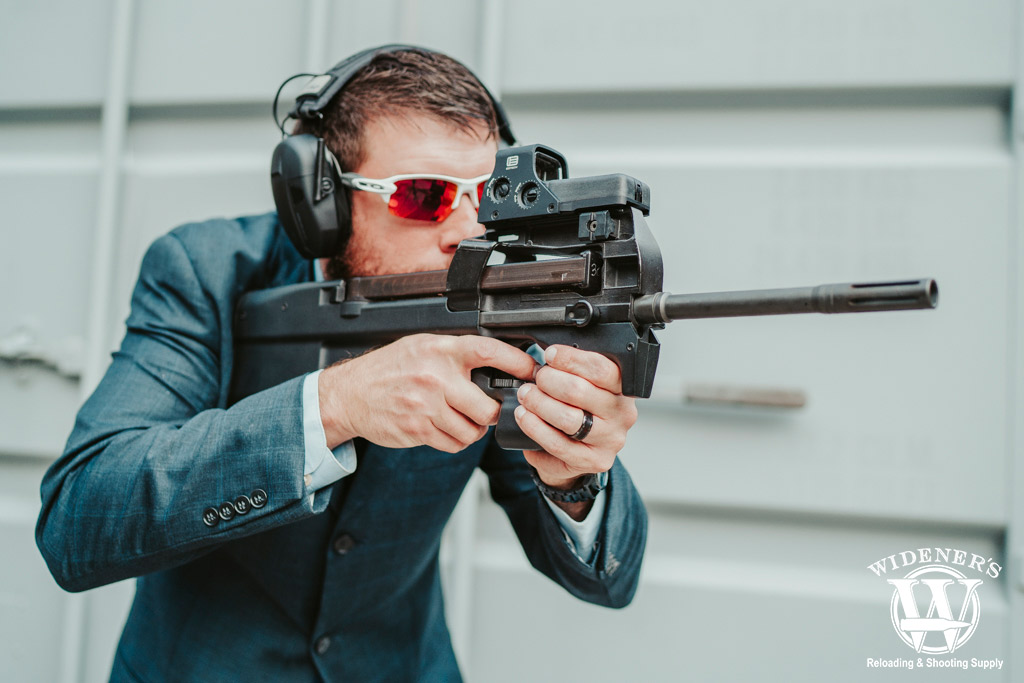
[[587, 487]]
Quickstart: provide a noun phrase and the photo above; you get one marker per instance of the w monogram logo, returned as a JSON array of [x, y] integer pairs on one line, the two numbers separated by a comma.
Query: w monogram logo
[[937, 589]]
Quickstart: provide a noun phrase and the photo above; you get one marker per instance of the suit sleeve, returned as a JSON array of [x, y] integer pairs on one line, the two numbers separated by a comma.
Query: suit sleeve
[[151, 451], [610, 579]]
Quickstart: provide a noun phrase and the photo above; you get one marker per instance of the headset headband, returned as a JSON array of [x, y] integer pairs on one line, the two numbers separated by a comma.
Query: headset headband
[[318, 93]]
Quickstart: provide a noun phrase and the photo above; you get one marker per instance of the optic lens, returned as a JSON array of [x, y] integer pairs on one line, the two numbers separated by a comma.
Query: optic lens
[[423, 199]]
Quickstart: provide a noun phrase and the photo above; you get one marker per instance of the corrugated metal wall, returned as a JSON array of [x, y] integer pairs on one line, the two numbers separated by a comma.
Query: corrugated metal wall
[[787, 142]]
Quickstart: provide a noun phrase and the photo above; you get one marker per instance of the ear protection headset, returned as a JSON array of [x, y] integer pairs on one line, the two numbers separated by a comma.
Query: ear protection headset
[[312, 204]]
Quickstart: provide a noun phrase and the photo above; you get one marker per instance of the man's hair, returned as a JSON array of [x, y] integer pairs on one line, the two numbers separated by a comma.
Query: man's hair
[[402, 83]]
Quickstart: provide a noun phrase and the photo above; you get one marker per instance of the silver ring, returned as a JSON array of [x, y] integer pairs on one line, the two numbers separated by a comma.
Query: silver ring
[[588, 424]]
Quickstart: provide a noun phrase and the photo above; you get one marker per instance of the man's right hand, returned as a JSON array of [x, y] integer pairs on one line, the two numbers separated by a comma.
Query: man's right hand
[[417, 391]]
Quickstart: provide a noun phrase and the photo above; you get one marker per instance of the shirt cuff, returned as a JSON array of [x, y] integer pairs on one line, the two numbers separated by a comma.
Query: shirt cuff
[[581, 536], [323, 466]]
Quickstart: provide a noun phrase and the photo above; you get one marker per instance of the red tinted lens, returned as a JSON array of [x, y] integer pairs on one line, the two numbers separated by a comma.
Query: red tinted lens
[[423, 199], [480, 191]]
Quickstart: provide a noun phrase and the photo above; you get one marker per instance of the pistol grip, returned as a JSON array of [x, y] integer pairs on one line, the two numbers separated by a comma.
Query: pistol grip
[[508, 434], [504, 388]]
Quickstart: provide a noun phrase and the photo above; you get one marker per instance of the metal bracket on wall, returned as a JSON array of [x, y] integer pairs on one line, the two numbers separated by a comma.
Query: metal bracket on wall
[[65, 357], [725, 395]]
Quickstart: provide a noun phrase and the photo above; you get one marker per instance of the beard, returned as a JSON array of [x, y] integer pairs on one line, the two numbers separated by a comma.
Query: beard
[[357, 259], [363, 257], [342, 266]]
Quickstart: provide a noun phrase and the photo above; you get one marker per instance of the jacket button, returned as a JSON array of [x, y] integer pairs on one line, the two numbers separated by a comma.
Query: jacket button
[[210, 517], [242, 504], [343, 543], [322, 645], [226, 511], [258, 498]]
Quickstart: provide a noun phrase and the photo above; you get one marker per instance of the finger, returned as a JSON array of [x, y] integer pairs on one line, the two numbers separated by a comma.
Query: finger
[[597, 369], [562, 416], [576, 391], [426, 433], [458, 427], [443, 442], [487, 352], [554, 441], [470, 400]]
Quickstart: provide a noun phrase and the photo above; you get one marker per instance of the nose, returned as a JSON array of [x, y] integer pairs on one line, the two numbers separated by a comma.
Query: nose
[[460, 224]]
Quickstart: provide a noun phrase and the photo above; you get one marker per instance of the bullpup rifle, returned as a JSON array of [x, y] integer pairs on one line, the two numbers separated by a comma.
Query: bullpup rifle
[[580, 267]]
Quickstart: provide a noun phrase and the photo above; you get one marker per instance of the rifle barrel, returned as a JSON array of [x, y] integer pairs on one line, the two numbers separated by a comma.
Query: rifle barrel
[[837, 298]]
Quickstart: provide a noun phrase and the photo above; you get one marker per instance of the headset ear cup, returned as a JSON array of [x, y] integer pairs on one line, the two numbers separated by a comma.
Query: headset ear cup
[[312, 205]]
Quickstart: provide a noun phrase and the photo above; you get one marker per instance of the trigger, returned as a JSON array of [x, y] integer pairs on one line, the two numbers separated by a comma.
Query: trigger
[[503, 380], [495, 383]]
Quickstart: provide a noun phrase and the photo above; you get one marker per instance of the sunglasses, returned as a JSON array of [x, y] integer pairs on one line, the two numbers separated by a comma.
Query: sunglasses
[[420, 196]]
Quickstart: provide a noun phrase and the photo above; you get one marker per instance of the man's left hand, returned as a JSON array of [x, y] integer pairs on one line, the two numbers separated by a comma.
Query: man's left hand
[[573, 381]]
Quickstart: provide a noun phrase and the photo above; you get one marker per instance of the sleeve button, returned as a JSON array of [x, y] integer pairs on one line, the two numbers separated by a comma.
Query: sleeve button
[[258, 498], [322, 645], [226, 511], [242, 504], [210, 517]]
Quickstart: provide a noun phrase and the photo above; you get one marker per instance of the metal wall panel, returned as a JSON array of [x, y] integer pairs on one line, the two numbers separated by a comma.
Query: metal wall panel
[[33, 610], [49, 202], [605, 45], [1015, 369], [193, 51], [786, 142], [53, 52], [448, 25], [47, 239]]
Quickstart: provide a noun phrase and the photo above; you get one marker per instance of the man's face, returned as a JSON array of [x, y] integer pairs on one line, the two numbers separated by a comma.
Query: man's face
[[382, 243]]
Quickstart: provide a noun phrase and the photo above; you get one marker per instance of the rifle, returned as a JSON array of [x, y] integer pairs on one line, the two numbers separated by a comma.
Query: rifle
[[580, 268]]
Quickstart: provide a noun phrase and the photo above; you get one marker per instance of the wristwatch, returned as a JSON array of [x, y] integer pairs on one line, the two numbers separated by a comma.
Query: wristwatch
[[587, 487]]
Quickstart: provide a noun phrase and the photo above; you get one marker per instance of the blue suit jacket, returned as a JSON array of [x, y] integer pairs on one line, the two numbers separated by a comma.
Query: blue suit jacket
[[343, 585]]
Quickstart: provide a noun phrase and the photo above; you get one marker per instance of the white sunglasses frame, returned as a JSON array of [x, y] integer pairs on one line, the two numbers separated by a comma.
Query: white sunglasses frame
[[385, 187]]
